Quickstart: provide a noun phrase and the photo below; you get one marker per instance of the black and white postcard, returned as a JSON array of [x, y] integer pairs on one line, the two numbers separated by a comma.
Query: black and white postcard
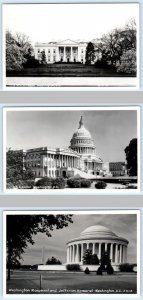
[[71, 45], [72, 252], [71, 149]]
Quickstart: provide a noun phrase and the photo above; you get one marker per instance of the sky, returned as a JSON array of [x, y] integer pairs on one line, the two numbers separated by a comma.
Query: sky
[[111, 130], [123, 225], [48, 22]]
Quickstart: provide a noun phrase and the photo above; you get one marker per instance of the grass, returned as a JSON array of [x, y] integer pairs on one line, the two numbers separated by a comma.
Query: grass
[[28, 282], [68, 70]]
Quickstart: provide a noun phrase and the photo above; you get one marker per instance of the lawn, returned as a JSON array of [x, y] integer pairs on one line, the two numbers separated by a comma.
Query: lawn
[[28, 282]]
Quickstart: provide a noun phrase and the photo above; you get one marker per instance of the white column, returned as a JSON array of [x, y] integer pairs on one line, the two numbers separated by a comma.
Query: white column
[[99, 250], [73, 253], [77, 253], [87, 246], [120, 251], [93, 248], [105, 247], [123, 253], [81, 252], [71, 55], [68, 254], [116, 253], [64, 53], [111, 253]]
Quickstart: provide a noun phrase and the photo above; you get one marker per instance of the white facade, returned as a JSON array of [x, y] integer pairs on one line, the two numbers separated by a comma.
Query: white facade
[[80, 157], [99, 239], [61, 51]]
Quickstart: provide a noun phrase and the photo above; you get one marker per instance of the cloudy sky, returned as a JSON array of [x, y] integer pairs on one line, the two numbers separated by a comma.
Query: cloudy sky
[[111, 130], [46, 22], [124, 225]]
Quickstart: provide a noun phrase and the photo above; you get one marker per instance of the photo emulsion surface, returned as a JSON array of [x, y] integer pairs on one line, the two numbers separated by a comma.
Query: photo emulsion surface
[[71, 149], [71, 252], [71, 45]]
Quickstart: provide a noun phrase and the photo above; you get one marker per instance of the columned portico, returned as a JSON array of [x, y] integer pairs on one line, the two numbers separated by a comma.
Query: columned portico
[[62, 51], [109, 242]]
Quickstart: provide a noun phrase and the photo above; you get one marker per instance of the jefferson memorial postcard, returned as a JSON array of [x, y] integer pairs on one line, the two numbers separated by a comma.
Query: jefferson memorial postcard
[[71, 149], [71, 45], [71, 252]]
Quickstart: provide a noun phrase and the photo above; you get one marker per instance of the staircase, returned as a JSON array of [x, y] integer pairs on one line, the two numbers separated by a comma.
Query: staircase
[[82, 174]]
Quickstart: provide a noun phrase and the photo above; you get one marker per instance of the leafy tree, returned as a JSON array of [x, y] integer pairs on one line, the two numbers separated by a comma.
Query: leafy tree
[[131, 157], [14, 55], [127, 63], [58, 183], [44, 182], [15, 167], [20, 230], [53, 261], [115, 43], [90, 53], [18, 51]]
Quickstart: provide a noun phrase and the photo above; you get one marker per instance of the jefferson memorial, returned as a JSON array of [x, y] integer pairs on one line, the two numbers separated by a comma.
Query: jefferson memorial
[[62, 51], [99, 239]]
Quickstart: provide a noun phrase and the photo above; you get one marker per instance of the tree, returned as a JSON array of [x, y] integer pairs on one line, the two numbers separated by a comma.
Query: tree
[[53, 261], [18, 51], [127, 63], [43, 58], [89, 258], [105, 264], [90, 53], [14, 55], [114, 44], [16, 169], [131, 157], [20, 230]]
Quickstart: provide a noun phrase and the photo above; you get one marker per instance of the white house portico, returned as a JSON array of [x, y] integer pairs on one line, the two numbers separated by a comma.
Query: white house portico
[[99, 239], [62, 51]]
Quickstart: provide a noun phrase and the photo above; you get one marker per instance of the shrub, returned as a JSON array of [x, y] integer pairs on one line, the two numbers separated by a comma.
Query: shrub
[[73, 267], [109, 269], [126, 267], [86, 271], [74, 183], [44, 182], [58, 183], [100, 185], [101, 64], [25, 184], [85, 183], [99, 271]]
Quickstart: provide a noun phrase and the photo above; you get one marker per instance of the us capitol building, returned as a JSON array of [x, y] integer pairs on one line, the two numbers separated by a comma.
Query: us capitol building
[[62, 51], [80, 158]]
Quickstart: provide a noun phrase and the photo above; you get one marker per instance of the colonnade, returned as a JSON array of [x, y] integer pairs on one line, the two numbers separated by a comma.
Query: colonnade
[[61, 160], [117, 251]]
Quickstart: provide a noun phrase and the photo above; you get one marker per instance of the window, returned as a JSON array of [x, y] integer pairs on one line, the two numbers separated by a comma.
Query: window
[[48, 58], [48, 50], [49, 173], [38, 50], [54, 58], [54, 51]]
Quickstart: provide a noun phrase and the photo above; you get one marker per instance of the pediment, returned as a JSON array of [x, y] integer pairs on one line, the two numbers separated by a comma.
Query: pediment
[[67, 42]]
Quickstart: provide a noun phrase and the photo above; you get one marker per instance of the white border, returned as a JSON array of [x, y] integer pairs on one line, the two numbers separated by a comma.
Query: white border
[[72, 191], [104, 212], [68, 88]]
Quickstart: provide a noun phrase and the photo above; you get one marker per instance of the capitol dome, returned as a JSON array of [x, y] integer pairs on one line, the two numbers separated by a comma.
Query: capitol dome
[[82, 141]]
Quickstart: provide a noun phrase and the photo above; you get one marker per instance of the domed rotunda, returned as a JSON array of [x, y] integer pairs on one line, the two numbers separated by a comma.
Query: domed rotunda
[[83, 144], [98, 239]]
